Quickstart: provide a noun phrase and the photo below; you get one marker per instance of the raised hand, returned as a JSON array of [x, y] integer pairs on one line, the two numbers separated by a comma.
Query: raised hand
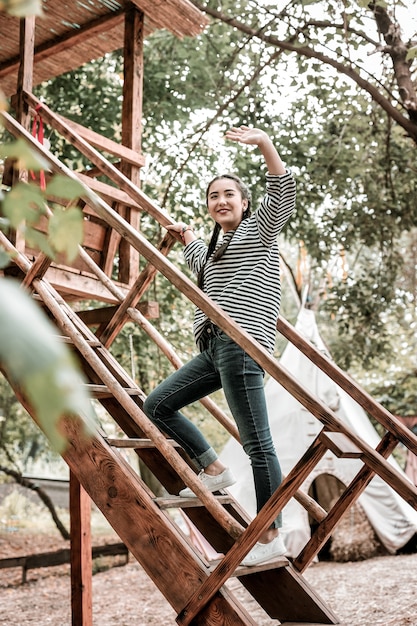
[[258, 137], [247, 135]]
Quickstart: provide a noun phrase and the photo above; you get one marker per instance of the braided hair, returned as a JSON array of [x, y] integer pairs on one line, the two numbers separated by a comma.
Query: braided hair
[[245, 192]]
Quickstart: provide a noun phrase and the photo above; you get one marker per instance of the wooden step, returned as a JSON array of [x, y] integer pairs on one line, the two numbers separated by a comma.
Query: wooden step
[[136, 443], [176, 502], [91, 342], [243, 570], [340, 445], [100, 392]]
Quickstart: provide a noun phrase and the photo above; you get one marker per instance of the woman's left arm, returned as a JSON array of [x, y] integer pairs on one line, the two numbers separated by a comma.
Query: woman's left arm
[[257, 137]]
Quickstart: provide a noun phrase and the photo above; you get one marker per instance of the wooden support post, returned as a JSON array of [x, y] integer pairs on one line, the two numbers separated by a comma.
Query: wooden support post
[[81, 555], [25, 75], [132, 127], [24, 83]]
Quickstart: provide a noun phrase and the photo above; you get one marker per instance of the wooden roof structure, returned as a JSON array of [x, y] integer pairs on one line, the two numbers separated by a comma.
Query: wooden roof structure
[[67, 35], [73, 32]]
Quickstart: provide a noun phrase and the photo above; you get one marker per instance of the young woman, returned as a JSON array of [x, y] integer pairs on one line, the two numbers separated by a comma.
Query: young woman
[[241, 274]]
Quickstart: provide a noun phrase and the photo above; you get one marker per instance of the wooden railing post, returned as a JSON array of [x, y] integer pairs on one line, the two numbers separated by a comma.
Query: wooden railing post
[[81, 555]]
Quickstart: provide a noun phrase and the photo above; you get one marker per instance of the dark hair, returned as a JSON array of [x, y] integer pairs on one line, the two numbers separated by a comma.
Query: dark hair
[[245, 192]]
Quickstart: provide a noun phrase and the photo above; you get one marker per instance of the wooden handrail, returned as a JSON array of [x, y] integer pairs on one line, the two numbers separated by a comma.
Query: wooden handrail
[[315, 406], [95, 157], [369, 404], [62, 313], [105, 144], [377, 411]]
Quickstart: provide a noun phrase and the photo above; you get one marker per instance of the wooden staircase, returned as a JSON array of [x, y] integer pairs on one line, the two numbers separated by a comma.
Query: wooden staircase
[[196, 588]]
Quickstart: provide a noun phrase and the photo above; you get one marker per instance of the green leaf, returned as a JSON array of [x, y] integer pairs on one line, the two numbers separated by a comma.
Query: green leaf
[[64, 187], [25, 156], [24, 202], [43, 367], [4, 259], [38, 240], [4, 223], [66, 231]]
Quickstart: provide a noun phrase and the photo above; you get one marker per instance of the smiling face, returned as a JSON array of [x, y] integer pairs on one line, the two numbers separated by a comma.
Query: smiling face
[[226, 203]]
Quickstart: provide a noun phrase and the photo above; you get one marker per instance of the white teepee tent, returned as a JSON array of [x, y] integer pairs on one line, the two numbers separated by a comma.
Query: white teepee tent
[[293, 430]]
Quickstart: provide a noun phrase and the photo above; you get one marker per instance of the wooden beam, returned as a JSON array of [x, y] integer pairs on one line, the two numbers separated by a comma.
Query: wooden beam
[[356, 487], [71, 38], [104, 314], [248, 538], [80, 286], [106, 168], [126, 503], [340, 445], [112, 242], [132, 127], [135, 443], [109, 192], [132, 88], [181, 17], [108, 334], [107, 145], [25, 74], [81, 555], [38, 269], [24, 83], [371, 406]]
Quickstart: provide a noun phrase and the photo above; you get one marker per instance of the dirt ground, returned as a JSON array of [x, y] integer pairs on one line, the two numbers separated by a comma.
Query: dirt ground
[[377, 591]]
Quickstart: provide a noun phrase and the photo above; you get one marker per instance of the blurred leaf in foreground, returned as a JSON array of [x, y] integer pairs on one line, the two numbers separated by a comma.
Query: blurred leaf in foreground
[[44, 368]]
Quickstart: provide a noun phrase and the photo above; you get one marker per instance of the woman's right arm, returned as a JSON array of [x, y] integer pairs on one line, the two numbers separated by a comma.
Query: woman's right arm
[[185, 231], [195, 250]]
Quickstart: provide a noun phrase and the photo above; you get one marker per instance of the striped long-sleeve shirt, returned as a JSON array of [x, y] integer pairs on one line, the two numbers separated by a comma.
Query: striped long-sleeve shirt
[[245, 281]]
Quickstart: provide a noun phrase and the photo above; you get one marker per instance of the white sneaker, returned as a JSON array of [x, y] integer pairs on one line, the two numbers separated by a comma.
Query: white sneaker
[[263, 552], [212, 483]]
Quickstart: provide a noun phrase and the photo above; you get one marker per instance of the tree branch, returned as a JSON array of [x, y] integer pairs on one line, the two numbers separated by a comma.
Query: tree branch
[[28, 484], [397, 50], [409, 125]]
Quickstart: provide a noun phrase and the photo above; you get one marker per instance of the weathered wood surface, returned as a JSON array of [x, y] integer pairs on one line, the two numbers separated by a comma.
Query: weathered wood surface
[[340, 445], [251, 534], [144, 529], [352, 492], [105, 144], [274, 604], [81, 555], [92, 317], [108, 192], [71, 34]]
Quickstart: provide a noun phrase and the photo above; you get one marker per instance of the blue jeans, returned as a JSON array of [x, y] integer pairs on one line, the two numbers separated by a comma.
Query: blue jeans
[[223, 364]]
